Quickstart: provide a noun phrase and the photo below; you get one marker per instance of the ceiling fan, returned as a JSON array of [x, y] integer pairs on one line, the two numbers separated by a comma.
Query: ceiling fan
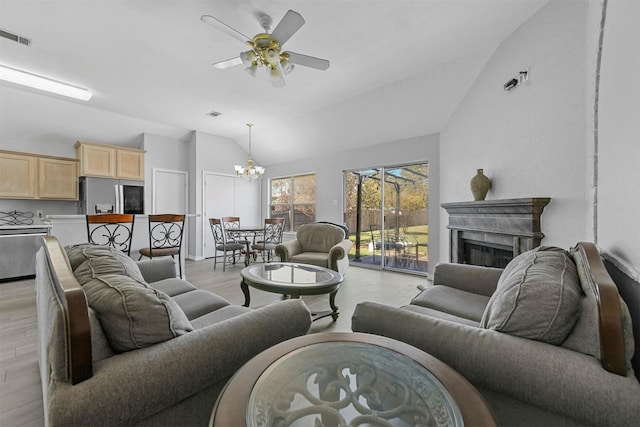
[[266, 48]]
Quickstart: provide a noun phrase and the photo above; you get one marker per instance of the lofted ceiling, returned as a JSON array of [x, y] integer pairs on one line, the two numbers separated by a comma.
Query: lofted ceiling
[[398, 70]]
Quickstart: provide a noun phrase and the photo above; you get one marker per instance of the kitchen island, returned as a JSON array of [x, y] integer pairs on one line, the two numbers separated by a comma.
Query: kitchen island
[[72, 229]]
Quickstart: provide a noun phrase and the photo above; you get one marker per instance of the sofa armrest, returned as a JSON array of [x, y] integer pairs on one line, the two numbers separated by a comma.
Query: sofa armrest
[[131, 386], [156, 269], [286, 250], [337, 255], [546, 376], [466, 277]]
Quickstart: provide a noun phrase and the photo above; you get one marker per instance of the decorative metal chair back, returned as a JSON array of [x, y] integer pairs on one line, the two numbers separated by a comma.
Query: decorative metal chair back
[[115, 230], [273, 229], [272, 236], [222, 244], [232, 223], [165, 237], [217, 230]]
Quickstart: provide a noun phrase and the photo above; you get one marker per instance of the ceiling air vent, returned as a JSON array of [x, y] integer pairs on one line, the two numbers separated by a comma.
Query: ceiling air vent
[[213, 114], [14, 37]]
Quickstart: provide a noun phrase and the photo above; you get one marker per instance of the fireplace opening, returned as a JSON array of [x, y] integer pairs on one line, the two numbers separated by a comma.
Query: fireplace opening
[[486, 255]]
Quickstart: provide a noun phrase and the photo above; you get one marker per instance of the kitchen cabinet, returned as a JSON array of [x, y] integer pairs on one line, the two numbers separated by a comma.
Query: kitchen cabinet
[[33, 176], [57, 179], [18, 174], [110, 161]]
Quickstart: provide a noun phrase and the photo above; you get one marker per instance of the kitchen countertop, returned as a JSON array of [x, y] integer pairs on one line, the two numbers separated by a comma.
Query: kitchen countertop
[[24, 227], [82, 216]]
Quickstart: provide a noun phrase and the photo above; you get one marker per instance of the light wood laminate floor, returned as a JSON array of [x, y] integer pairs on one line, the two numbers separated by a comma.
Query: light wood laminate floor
[[20, 388]]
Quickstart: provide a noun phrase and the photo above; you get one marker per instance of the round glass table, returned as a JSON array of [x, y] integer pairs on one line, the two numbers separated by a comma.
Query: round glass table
[[294, 280], [345, 379]]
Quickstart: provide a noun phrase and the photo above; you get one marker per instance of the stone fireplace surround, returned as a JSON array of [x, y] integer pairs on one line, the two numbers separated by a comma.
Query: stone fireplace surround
[[492, 232]]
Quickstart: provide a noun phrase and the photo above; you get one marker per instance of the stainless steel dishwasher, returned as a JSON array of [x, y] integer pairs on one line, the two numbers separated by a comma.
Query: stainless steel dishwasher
[[19, 244]]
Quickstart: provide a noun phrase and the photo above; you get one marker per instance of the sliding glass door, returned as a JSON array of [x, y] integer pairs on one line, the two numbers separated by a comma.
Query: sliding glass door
[[386, 211]]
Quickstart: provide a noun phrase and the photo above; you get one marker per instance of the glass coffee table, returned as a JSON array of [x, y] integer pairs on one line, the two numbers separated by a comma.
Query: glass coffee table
[[294, 280], [344, 379]]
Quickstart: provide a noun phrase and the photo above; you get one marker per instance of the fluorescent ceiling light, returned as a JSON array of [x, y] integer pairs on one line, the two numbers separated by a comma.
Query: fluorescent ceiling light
[[43, 83]]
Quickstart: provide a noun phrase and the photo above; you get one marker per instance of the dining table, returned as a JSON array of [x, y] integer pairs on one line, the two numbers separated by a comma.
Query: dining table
[[246, 235]]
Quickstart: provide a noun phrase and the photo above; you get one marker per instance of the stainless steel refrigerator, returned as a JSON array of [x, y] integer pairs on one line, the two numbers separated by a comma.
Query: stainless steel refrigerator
[[106, 195]]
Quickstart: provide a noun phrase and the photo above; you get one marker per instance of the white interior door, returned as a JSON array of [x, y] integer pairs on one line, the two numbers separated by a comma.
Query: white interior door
[[226, 195], [170, 191]]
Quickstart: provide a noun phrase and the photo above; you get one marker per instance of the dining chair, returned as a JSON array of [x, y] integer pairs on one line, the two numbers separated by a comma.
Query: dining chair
[[165, 237], [222, 244], [115, 230], [272, 236]]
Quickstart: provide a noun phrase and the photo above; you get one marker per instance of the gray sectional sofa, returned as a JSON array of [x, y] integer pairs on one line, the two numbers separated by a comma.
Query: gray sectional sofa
[[548, 341], [128, 343]]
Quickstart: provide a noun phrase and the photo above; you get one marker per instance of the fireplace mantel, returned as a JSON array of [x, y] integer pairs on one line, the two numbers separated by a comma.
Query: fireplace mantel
[[507, 224]]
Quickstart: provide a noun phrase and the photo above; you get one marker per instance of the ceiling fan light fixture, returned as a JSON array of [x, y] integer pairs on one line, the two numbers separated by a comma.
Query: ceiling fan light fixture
[[252, 69], [248, 57], [274, 73], [266, 48], [286, 65]]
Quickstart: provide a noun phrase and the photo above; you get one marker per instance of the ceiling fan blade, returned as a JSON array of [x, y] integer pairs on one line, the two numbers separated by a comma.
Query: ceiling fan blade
[[227, 63], [308, 61], [287, 27], [221, 26]]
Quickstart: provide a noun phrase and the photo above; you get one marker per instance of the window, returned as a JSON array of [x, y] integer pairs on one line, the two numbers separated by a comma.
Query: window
[[294, 198]]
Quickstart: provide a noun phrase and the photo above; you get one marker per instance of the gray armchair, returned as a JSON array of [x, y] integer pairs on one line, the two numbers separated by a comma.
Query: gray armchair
[[319, 244]]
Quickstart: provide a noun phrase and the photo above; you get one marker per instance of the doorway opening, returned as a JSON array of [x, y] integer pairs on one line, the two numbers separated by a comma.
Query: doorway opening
[[386, 211]]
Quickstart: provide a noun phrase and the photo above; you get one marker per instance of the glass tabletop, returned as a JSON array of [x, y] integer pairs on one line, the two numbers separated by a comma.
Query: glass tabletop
[[349, 383], [290, 274]]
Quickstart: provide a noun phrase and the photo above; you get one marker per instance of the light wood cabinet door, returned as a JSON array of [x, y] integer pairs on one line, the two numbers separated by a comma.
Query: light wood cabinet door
[[58, 179], [130, 164], [96, 160], [18, 176]]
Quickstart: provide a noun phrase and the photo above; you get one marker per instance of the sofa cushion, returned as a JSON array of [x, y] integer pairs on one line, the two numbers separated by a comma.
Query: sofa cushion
[[173, 286], [453, 301], [313, 258], [537, 297], [198, 303], [133, 314]]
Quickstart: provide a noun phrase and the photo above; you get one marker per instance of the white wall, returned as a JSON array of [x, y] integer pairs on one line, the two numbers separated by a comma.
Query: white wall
[[618, 180], [329, 177], [208, 153], [530, 140]]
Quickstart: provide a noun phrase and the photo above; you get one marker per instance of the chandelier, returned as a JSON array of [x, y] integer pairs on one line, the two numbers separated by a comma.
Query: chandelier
[[249, 172]]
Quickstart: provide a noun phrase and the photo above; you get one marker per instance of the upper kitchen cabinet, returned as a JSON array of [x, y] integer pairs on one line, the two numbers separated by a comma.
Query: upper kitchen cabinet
[[57, 178], [110, 161], [18, 175], [33, 176]]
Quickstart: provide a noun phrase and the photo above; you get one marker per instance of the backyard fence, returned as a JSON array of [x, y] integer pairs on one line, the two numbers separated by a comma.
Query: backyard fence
[[372, 217]]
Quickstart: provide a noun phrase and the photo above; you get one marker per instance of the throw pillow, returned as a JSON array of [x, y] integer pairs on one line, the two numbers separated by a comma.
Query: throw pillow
[[133, 314], [89, 261], [537, 297]]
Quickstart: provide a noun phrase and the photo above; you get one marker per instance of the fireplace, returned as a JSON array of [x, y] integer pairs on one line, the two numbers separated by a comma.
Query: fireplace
[[492, 232]]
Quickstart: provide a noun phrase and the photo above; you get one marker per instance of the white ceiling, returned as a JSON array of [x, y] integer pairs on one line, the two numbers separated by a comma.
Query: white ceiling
[[398, 70]]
